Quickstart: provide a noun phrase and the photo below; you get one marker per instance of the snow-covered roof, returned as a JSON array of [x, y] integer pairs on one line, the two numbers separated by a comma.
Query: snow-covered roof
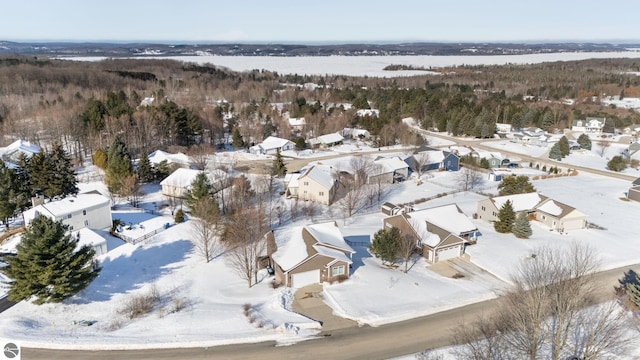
[[19, 147], [448, 217], [320, 174], [297, 121], [292, 179], [273, 142], [88, 237], [336, 254], [71, 204], [330, 138], [181, 177], [551, 208], [329, 234], [519, 202], [291, 248], [368, 112], [158, 156], [419, 224], [391, 164]]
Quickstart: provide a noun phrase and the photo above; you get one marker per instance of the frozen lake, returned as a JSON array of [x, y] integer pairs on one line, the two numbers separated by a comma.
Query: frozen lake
[[373, 65]]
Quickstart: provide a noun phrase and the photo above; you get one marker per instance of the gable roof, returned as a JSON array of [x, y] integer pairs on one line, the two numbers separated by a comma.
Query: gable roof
[[520, 202], [328, 234], [181, 178], [419, 225], [330, 138], [292, 249], [636, 182], [448, 217], [320, 174], [297, 121], [391, 164], [555, 208], [158, 156], [273, 142], [71, 204]]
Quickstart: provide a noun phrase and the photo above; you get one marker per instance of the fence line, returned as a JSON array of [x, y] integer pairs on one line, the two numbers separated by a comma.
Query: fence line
[[144, 237]]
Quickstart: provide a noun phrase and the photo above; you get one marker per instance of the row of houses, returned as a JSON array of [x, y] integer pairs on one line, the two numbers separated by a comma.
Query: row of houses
[[317, 253]]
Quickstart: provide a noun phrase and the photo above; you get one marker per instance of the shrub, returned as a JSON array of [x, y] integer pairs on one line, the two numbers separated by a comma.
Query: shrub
[[179, 217], [142, 304]]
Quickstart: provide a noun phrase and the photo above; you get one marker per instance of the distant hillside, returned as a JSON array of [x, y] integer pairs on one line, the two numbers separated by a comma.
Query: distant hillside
[[148, 49]]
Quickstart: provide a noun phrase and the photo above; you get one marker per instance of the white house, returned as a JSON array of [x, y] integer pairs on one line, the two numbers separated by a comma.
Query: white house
[[368, 112], [330, 139], [91, 211], [317, 184], [388, 170], [179, 159], [12, 152], [272, 145], [178, 184], [356, 133], [589, 125], [297, 123], [89, 237]]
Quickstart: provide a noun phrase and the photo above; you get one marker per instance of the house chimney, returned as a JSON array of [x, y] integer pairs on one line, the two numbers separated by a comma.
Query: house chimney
[[37, 200]]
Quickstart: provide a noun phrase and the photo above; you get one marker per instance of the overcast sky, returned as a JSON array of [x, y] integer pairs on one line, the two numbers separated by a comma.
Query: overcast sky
[[335, 21]]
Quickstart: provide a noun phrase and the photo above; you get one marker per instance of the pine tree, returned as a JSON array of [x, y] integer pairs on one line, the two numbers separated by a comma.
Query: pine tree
[[617, 163], [179, 217], [22, 184], [7, 194], [119, 165], [506, 218], [633, 291], [39, 174], [200, 189], [48, 266], [555, 153], [63, 178], [237, 140], [145, 171], [584, 141], [385, 244], [521, 227], [511, 185], [564, 146], [161, 170], [279, 168]]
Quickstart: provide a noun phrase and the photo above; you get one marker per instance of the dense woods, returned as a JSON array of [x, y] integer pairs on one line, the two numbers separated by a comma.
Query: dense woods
[[85, 105]]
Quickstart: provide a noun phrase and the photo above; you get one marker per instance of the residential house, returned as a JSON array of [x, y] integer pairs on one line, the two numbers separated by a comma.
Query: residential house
[[329, 140], [178, 183], [317, 184], [589, 125], [177, 160], [634, 190], [436, 235], [428, 158], [388, 170], [554, 214], [310, 254], [272, 145], [291, 184], [89, 237], [18, 148], [503, 128], [494, 159], [633, 151], [297, 124], [368, 112], [89, 210], [356, 133], [531, 136]]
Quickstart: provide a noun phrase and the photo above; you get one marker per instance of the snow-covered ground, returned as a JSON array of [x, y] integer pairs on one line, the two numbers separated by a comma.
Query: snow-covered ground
[[202, 304]]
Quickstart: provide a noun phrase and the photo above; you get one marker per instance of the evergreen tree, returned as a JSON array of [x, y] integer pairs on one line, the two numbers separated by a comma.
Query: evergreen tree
[[40, 170], [521, 227], [22, 184], [63, 178], [161, 170], [119, 165], [7, 194], [145, 171], [584, 141], [48, 266], [385, 244], [179, 217], [511, 185], [564, 146], [555, 153], [506, 218], [633, 290], [100, 159], [279, 168], [200, 189], [237, 140], [617, 163]]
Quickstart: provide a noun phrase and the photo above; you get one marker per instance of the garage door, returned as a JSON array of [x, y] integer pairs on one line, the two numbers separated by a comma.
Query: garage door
[[305, 278], [448, 253], [573, 224]]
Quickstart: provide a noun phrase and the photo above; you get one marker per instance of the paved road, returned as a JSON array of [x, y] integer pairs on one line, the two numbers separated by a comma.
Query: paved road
[[382, 342], [5, 304]]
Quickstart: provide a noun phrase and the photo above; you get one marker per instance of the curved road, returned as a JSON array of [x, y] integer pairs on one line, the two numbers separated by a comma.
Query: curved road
[[382, 342]]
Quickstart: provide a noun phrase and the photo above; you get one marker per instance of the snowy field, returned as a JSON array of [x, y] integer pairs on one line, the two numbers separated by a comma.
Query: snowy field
[[373, 65]]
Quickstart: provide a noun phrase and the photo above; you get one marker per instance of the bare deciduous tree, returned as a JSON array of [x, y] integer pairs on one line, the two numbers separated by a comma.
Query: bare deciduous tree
[[469, 178], [206, 229], [603, 146], [244, 239], [406, 248], [421, 161]]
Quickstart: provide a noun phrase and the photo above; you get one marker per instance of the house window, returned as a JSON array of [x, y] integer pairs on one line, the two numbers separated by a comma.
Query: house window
[[84, 212], [321, 193], [544, 217], [337, 270], [494, 214], [483, 208], [306, 183], [86, 223], [69, 216]]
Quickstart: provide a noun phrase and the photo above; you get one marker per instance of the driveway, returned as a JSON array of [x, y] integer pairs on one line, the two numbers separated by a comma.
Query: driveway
[[309, 302], [462, 268]]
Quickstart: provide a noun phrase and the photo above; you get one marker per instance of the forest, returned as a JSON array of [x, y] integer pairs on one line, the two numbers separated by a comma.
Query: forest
[[85, 105]]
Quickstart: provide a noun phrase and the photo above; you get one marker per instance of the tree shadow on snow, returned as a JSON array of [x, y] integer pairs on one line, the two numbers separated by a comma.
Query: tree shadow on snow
[[125, 273]]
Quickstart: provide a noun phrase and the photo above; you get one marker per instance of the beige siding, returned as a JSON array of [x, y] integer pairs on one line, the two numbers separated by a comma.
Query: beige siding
[[487, 210], [174, 191], [634, 193], [308, 189]]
